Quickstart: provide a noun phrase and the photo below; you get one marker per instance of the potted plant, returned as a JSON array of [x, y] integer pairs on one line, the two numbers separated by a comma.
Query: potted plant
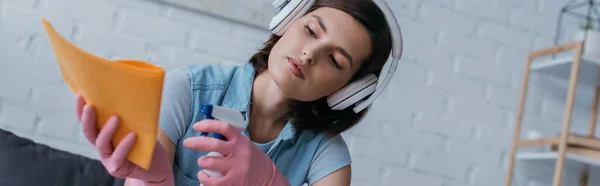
[[592, 42]]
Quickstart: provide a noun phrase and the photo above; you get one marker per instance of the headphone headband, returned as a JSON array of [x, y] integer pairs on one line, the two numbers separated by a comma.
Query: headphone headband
[[290, 10], [396, 36]]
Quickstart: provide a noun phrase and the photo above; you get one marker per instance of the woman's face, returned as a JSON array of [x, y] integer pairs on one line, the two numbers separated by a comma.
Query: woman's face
[[318, 54]]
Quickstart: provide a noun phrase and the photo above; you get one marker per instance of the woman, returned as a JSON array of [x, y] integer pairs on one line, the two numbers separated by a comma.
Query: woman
[[292, 135]]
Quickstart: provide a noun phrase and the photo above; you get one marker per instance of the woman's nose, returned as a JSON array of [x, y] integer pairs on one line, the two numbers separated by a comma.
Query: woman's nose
[[307, 58], [310, 53]]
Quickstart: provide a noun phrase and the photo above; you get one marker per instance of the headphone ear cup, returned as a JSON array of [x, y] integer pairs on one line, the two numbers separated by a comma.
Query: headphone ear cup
[[353, 92], [286, 16], [355, 98]]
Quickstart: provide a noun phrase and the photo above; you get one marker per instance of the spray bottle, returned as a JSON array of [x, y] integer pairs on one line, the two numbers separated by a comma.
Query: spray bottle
[[233, 117]]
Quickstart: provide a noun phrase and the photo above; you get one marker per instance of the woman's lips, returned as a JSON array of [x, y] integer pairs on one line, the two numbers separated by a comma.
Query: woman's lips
[[296, 67]]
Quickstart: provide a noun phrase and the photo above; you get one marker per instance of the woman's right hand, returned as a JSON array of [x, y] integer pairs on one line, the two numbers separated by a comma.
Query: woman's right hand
[[115, 159]]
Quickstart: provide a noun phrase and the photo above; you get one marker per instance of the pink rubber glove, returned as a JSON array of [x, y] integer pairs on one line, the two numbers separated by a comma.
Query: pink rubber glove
[[242, 162], [114, 160]]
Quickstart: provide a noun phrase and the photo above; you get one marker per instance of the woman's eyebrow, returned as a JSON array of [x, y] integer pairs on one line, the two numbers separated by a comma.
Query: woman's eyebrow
[[320, 20]]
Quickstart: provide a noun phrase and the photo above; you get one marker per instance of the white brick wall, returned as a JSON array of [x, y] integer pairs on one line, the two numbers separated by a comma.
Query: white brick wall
[[446, 119]]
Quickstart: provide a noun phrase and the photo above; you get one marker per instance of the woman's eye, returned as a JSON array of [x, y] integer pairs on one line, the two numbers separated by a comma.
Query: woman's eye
[[335, 63], [310, 31]]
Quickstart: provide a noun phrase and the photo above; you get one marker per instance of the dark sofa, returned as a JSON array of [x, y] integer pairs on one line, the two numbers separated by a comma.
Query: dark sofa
[[26, 163]]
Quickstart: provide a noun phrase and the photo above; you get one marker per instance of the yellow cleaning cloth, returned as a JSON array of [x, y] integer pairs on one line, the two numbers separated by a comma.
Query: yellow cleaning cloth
[[130, 89]]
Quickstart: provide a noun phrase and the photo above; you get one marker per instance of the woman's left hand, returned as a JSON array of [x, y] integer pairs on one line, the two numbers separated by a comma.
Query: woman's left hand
[[242, 162]]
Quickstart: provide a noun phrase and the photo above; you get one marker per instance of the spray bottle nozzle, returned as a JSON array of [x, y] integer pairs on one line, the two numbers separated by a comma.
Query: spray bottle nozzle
[[233, 117], [206, 109]]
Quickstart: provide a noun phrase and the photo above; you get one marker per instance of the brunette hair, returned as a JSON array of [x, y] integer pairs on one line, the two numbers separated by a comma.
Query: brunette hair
[[317, 115]]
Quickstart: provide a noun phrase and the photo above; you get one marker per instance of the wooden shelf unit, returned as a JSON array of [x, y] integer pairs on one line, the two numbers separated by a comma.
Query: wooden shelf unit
[[569, 69]]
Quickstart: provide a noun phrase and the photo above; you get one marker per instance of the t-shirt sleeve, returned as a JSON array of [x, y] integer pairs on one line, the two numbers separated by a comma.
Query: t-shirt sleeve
[[332, 155], [175, 103]]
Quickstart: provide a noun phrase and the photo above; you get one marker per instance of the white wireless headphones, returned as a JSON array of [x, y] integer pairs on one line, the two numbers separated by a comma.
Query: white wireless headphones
[[355, 92]]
